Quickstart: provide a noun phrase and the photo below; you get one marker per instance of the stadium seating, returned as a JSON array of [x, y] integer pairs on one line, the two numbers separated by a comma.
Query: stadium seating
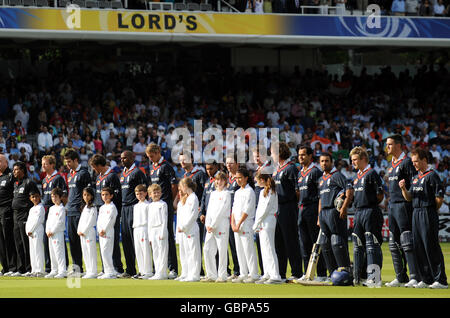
[[116, 5], [180, 6], [42, 3], [91, 4], [104, 4], [29, 3], [193, 6], [80, 3], [14, 2], [63, 3]]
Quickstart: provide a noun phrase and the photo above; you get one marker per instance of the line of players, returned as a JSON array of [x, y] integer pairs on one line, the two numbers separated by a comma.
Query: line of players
[[306, 202]]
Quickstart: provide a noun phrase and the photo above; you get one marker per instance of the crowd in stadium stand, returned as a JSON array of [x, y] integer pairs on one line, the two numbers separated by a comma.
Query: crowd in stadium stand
[[439, 8], [94, 112]]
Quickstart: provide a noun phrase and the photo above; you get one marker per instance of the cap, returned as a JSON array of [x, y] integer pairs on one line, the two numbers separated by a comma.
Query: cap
[[108, 154], [161, 127], [31, 168], [150, 125]]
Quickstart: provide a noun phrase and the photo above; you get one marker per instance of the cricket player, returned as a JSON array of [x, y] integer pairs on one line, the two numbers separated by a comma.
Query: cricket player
[[78, 179], [129, 179], [107, 178], [400, 215], [21, 205], [51, 181], [308, 190], [368, 222], [163, 174], [35, 231], [287, 243], [333, 222], [426, 194]]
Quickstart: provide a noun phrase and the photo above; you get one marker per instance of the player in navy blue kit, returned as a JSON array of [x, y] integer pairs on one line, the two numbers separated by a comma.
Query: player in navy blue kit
[[427, 195], [232, 167], [21, 205], [400, 215], [78, 179], [131, 177], [368, 222], [333, 222], [200, 178], [8, 255], [106, 178], [287, 244], [163, 174], [51, 181], [307, 186]]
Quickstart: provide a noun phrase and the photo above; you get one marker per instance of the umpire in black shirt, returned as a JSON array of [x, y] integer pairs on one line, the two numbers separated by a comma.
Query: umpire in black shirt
[[107, 178], [21, 205], [8, 256], [78, 179]]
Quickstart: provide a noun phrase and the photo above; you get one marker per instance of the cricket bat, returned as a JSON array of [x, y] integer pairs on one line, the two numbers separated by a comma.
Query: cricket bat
[[313, 259]]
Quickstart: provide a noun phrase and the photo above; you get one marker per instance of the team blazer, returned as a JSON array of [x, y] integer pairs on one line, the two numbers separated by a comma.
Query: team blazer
[[266, 211], [88, 219], [187, 215], [140, 214], [106, 217], [56, 221], [36, 218], [218, 212], [244, 202], [157, 218]]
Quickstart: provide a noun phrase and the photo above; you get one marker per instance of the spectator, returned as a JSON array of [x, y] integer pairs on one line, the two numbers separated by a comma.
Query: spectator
[[426, 9], [439, 8], [45, 140], [411, 7], [398, 7]]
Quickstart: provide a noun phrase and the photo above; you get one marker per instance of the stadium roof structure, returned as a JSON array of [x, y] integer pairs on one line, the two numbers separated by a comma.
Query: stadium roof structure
[[75, 23]]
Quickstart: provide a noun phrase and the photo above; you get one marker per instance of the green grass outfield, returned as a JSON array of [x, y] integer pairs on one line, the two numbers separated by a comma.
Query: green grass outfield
[[23, 287]]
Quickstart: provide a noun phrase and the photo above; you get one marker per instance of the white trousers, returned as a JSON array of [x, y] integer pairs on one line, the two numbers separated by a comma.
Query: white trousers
[[142, 250], [89, 250], [246, 253], [160, 249], [37, 250], [268, 253], [106, 251], [190, 256], [57, 253], [216, 242]]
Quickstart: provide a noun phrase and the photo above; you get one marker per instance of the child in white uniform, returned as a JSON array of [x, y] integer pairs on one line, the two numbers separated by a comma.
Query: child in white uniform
[[86, 231], [105, 227], [56, 224], [157, 231], [242, 219], [188, 231], [265, 223], [35, 231], [217, 224], [140, 234]]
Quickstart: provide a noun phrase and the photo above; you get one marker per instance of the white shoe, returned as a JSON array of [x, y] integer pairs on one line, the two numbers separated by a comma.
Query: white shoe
[[437, 285], [250, 280], [90, 276], [157, 277], [262, 280], [221, 280], [16, 274], [422, 285], [62, 275], [27, 274], [394, 283], [191, 280], [39, 274], [273, 281], [179, 278], [231, 277], [107, 276], [208, 280], [172, 275], [412, 283], [51, 275], [8, 274], [147, 276], [240, 279]]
